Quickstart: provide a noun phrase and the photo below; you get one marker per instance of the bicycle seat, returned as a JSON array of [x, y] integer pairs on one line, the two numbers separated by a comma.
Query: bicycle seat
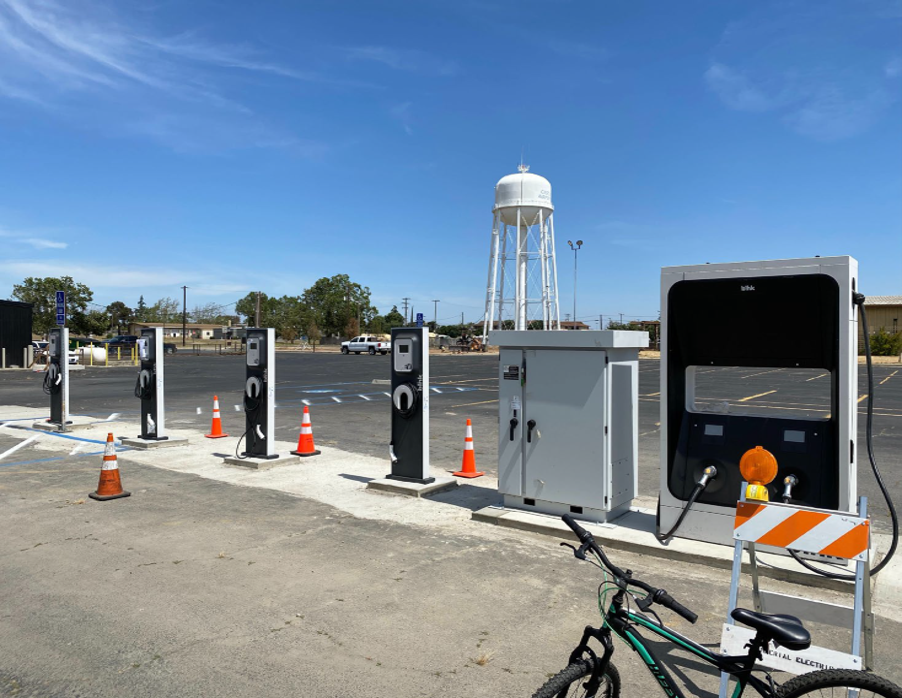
[[783, 629]]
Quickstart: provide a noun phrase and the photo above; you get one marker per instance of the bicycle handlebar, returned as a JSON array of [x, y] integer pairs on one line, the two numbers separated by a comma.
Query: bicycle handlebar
[[659, 596]]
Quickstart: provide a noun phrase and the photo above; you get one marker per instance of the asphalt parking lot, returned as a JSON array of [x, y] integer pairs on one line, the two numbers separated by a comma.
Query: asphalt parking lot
[[352, 412], [195, 586]]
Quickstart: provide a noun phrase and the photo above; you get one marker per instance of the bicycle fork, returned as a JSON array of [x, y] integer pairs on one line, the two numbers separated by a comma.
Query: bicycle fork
[[603, 635]]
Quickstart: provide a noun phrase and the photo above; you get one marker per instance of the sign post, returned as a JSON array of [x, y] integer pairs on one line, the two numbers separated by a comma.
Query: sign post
[[61, 308]]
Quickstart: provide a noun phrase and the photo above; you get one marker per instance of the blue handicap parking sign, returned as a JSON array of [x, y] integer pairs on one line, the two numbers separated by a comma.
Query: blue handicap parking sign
[[419, 319]]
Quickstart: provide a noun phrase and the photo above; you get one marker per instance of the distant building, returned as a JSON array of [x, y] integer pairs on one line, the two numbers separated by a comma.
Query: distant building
[[573, 325], [193, 330], [883, 312]]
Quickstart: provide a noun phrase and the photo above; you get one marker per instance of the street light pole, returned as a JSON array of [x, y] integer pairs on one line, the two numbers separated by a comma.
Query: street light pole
[[435, 314], [579, 244], [184, 312]]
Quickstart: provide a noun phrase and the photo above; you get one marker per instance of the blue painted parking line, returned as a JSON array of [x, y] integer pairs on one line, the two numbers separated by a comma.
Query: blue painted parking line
[[67, 436], [55, 458]]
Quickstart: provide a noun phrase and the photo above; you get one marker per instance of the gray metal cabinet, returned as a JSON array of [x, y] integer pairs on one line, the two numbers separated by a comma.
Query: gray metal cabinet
[[568, 413]]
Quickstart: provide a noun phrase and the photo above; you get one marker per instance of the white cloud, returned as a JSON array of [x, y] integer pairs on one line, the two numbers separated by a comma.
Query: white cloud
[[893, 68], [736, 90], [54, 54], [42, 244], [409, 60]]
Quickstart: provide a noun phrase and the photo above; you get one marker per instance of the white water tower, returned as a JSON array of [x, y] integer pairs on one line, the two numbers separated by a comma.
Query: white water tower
[[522, 283]]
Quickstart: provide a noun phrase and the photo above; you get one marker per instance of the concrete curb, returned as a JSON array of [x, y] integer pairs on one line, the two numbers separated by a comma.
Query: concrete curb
[[412, 489], [636, 535]]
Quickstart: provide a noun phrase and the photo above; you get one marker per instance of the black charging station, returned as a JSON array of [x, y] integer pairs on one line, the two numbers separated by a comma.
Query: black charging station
[[785, 314], [56, 379], [259, 394], [409, 447], [149, 386]]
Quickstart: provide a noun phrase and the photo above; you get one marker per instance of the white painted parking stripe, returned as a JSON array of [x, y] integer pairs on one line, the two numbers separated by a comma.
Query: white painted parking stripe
[[199, 411], [336, 399], [364, 397], [19, 445]]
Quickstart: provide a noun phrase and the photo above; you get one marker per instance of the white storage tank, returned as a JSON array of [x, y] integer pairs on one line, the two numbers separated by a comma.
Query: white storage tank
[[529, 192]]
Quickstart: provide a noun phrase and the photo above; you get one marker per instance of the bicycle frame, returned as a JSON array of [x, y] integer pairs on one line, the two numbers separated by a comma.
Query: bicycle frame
[[625, 625]]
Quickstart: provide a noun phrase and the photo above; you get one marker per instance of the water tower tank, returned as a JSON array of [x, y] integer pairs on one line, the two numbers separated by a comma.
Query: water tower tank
[[528, 191]]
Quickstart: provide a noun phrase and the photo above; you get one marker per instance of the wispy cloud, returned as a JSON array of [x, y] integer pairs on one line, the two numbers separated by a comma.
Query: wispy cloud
[[410, 60], [803, 66], [54, 54], [401, 112], [28, 238]]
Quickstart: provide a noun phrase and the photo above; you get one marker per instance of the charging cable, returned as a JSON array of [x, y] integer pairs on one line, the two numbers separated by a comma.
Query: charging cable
[[858, 299], [708, 474]]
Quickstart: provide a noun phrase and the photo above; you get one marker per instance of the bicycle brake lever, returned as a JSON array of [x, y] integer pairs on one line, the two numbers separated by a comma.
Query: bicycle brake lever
[[579, 553]]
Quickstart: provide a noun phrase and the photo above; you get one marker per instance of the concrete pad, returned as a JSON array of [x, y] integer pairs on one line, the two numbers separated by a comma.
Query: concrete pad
[[74, 423], [412, 489], [261, 463], [635, 532], [138, 442]]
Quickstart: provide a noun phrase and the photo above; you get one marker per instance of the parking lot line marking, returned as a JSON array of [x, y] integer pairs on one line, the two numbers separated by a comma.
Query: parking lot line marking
[[199, 411], [365, 398], [752, 397], [436, 390], [387, 394], [888, 377], [469, 404], [651, 395], [77, 448], [816, 377], [19, 445], [306, 402], [238, 408], [335, 398], [862, 397], [761, 373]]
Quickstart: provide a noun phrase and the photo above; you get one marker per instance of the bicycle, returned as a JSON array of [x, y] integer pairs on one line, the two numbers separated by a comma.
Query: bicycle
[[599, 677]]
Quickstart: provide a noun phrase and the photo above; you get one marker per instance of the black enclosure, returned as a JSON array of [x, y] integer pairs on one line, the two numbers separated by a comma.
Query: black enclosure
[[15, 330], [768, 322]]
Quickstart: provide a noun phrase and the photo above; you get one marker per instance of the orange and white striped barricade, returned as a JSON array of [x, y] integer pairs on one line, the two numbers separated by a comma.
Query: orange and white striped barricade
[[817, 534]]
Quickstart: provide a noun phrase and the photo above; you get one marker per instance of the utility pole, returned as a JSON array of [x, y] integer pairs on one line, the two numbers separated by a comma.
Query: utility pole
[[257, 313], [406, 301], [184, 313], [579, 244], [621, 318], [461, 319], [435, 314], [601, 322]]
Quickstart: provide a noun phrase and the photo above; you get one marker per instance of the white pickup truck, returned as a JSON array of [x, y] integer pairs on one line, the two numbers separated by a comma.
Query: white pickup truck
[[371, 345]]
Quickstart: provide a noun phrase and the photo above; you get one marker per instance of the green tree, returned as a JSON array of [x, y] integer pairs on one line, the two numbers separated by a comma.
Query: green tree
[[450, 330], [377, 325], [94, 322], [164, 310], [334, 302], [119, 314], [210, 313], [289, 317], [394, 318], [885, 343], [41, 293], [141, 310], [247, 307]]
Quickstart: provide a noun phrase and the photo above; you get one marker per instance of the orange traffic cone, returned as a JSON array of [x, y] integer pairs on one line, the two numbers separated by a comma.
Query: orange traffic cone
[[216, 429], [305, 440], [109, 487], [468, 467]]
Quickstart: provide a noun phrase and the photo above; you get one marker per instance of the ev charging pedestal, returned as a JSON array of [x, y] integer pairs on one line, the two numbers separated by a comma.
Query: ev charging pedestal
[[792, 314], [150, 390], [409, 445], [260, 404], [56, 384]]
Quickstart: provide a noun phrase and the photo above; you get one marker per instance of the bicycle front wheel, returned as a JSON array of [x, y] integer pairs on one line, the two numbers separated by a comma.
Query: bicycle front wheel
[[839, 683], [571, 682]]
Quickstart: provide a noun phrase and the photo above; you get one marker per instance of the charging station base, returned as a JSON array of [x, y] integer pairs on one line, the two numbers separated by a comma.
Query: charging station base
[[394, 485], [261, 463], [146, 444], [74, 424]]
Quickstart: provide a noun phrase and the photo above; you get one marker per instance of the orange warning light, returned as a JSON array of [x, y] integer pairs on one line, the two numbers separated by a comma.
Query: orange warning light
[[759, 467]]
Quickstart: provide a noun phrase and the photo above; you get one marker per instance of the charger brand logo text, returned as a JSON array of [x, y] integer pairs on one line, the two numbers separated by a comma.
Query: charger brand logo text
[[747, 288]]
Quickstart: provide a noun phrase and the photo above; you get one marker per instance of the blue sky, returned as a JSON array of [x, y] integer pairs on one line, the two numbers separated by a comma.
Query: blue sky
[[236, 146]]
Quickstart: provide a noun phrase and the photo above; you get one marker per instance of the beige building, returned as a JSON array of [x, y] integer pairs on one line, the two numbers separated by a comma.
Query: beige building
[[883, 311], [193, 330]]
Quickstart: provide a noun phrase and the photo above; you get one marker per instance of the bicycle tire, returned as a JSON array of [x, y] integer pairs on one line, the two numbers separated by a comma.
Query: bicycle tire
[[558, 686], [817, 681]]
